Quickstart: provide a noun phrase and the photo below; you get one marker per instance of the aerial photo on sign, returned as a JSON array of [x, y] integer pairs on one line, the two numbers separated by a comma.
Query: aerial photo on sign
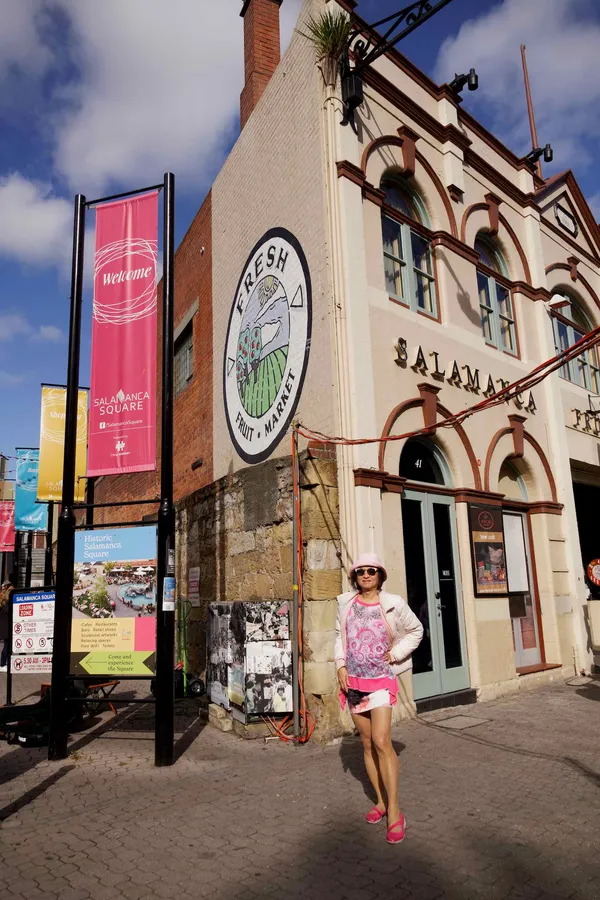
[[114, 602]]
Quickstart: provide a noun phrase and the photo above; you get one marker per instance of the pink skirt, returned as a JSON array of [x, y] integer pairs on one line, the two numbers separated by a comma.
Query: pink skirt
[[376, 692]]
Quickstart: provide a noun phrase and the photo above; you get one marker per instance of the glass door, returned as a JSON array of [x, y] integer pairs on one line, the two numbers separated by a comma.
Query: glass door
[[521, 596], [434, 594]]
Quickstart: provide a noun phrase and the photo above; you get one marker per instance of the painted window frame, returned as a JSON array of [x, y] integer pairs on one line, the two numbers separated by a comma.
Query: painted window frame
[[584, 363], [495, 281], [404, 258]]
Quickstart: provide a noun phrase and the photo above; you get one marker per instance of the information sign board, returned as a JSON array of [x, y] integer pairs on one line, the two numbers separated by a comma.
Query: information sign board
[[32, 631]]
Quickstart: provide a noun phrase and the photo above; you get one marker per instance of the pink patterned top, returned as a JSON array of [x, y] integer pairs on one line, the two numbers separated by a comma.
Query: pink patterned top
[[367, 642]]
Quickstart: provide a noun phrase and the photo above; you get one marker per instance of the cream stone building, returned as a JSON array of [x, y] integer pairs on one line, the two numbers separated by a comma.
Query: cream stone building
[[400, 273]]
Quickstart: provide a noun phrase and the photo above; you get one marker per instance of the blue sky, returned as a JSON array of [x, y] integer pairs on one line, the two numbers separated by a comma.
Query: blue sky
[[102, 97]]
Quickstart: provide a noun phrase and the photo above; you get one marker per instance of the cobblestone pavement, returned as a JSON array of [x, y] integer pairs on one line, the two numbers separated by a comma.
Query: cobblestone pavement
[[506, 808]]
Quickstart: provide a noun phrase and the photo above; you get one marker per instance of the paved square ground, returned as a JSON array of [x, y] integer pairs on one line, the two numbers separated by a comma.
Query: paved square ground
[[505, 809]]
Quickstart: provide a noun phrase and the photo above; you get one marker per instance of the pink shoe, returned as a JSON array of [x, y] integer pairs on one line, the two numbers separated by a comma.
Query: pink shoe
[[374, 816], [395, 833]]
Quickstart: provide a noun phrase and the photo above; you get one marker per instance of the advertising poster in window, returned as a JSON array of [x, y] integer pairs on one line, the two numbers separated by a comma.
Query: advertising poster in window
[[487, 541], [114, 602]]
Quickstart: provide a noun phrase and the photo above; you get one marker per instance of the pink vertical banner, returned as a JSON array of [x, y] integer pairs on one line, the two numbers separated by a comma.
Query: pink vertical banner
[[122, 417], [7, 526]]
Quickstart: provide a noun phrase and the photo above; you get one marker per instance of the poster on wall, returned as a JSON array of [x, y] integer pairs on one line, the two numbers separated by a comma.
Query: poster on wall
[[487, 541], [29, 514], [32, 634], [52, 443], [267, 345], [7, 526], [114, 602], [122, 421]]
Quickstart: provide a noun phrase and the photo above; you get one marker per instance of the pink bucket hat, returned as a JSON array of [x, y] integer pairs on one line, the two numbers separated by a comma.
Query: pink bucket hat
[[368, 559]]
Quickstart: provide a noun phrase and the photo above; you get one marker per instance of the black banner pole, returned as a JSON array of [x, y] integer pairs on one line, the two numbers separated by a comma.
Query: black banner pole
[[65, 556], [89, 499], [48, 572], [10, 644], [29, 558], [165, 606]]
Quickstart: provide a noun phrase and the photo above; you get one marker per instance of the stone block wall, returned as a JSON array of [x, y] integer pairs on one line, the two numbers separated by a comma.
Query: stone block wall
[[238, 531]]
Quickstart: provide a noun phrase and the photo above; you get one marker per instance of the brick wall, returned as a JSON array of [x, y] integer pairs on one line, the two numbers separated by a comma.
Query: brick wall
[[192, 417], [261, 51]]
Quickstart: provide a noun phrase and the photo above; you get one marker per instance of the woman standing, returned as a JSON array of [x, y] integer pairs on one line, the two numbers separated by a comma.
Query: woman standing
[[376, 633]]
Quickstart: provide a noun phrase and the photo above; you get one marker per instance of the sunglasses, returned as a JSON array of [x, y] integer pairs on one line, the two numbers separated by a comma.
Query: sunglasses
[[369, 571]]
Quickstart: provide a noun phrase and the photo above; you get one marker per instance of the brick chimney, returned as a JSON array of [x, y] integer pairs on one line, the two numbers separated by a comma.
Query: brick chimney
[[262, 50]]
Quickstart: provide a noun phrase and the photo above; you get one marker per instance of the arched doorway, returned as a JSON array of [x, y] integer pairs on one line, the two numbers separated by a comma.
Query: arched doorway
[[432, 572]]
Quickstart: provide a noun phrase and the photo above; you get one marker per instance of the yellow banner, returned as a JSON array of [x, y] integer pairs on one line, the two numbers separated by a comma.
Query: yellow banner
[[52, 441]]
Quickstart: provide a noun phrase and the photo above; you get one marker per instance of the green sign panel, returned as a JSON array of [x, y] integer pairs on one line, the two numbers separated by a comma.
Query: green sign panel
[[117, 663]]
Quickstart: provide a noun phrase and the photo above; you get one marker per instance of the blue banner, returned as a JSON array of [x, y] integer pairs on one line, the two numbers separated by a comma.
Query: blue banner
[[29, 515]]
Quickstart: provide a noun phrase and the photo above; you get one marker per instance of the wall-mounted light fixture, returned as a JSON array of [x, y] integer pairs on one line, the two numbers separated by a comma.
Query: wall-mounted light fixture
[[459, 81], [534, 155], [196, 464]]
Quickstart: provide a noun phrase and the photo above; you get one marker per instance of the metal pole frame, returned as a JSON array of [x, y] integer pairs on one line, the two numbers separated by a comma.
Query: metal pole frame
[[65, 557], [294, 618], [165, 570], [48, 572]]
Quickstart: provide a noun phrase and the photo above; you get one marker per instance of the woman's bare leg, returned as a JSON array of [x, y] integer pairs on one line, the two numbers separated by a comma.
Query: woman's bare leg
[[381, 724], [363, 726]]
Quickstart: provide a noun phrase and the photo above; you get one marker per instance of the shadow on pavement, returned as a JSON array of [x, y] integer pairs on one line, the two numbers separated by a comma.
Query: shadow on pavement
[[353, 860], [29, 796], [351, 755]]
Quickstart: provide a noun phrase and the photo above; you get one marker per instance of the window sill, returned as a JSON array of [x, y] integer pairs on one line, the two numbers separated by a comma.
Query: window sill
[[421, 312], [539, 667]]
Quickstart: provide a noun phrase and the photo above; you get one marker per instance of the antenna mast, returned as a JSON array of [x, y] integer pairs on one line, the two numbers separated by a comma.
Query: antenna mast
[[534, 140]]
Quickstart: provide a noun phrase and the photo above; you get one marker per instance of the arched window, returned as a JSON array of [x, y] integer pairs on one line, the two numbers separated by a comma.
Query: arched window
[[510, 482], [421, 461], [407, 255], [497, 318], [570, 324]]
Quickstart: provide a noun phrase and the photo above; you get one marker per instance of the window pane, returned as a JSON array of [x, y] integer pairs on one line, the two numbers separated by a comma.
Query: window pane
[[421, 253], [561, 337], [579, 364], [393, 276], [397, 199], [504, 305], [507, 338], [425, 293], [183, 362], [484, 291], [486, 324], [392, 242]]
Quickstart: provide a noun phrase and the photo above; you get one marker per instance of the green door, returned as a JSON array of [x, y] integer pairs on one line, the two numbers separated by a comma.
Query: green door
[[434, 593]]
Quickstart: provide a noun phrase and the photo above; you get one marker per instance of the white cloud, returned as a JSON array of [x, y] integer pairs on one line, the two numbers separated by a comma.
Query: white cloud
[[35, 225], [8, 379], [48, 333], [21, 47], [564, 68], [159, 89], [14, 325]]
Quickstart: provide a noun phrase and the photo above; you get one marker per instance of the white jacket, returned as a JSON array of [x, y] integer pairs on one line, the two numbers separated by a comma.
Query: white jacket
[[406, 632]]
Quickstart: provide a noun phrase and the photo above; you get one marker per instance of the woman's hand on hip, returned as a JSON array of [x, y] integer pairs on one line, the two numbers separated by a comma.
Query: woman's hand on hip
[[343, 678]]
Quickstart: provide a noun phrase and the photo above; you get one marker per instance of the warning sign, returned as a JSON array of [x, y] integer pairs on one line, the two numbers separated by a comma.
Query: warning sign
[[32, 631], [26, 665]]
